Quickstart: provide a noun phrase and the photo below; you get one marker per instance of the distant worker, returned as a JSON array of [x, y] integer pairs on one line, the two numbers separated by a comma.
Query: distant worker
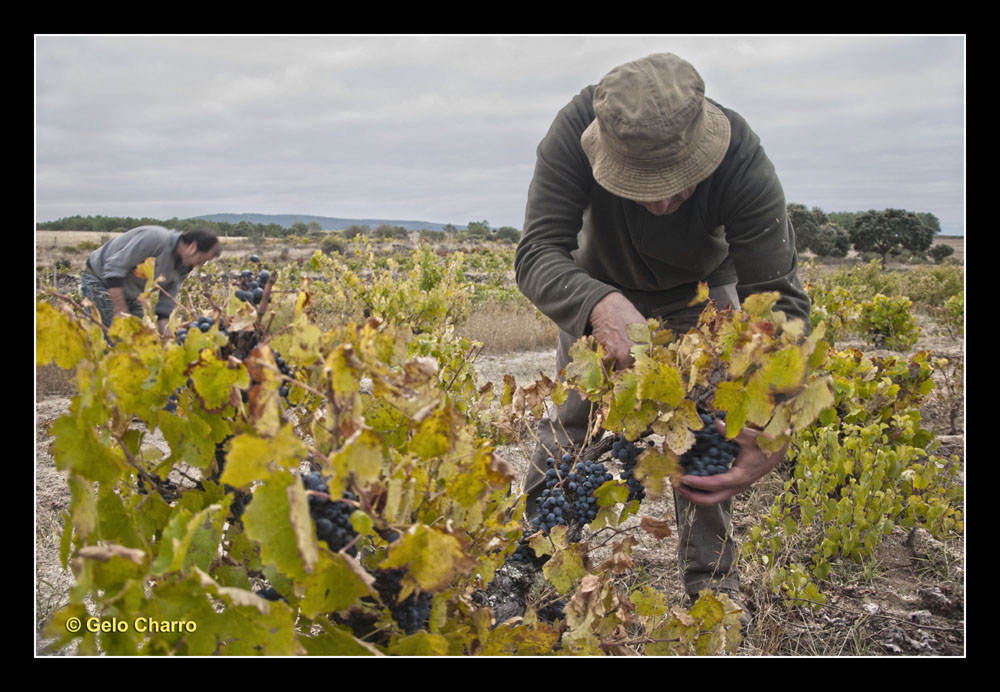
[[642, 189], [110, 281]]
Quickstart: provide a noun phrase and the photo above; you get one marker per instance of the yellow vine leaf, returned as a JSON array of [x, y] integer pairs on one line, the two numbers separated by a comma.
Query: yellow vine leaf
[[58, 337]]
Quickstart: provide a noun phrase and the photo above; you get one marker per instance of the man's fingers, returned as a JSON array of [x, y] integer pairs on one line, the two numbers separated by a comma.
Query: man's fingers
[[703, 497]]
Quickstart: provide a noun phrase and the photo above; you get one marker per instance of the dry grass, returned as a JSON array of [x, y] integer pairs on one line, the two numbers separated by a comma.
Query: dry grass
[[508, 326]]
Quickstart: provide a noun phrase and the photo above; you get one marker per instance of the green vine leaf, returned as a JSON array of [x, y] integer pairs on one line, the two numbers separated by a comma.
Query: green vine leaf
[[432, 558], [282, 538], [253, 458]]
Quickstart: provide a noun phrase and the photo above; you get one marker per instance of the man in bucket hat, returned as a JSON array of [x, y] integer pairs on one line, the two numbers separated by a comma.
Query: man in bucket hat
[[642, 189]]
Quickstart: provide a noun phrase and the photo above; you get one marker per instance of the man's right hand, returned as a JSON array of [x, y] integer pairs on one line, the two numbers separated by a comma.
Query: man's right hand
[[118, 304], [608, 322]]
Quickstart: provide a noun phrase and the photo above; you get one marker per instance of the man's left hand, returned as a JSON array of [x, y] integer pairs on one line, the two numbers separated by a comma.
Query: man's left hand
[[749, 466]]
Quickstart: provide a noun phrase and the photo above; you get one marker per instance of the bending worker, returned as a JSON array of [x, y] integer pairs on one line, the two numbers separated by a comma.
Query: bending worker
[[643, 188], [109, 279]]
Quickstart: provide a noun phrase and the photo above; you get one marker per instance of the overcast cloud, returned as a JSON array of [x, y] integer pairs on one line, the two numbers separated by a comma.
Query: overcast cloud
[[444, 128]]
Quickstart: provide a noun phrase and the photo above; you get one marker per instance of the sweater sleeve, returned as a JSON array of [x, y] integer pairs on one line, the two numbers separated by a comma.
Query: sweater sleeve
[[126, 252], [759, 233], [557, 198]]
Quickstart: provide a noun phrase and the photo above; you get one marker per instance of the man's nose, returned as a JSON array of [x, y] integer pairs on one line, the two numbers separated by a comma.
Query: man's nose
[[660, 206]]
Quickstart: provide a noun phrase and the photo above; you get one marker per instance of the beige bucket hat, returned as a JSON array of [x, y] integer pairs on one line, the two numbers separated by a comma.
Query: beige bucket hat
[[655, 134]]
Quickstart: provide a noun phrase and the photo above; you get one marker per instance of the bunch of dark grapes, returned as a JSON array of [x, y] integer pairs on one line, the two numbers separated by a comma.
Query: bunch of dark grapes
[[553, 612], [628, 453], [412, 612], [250, 286], [271, 594], [285, 370], [712, 453], [553, 505], [243, 342], [581, 483], [569, 492], [567, 499], [203, 323], [332, 518], [524, 552], [172, 401], [164, 486], [241, 498]]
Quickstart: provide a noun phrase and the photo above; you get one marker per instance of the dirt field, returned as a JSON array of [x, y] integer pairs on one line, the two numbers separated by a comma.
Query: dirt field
[[56, 239], [53, 246]]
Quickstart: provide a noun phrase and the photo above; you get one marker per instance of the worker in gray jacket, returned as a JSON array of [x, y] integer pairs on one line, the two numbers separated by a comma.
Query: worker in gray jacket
[[642, 189], [110, 280]]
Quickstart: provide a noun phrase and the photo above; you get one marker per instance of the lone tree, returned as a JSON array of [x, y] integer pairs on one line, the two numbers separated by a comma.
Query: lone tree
[[507, 233], [939, 252], [890, 230]]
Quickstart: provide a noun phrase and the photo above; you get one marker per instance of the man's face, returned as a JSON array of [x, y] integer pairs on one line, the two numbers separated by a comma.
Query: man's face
[[191, 256], [670, 204]]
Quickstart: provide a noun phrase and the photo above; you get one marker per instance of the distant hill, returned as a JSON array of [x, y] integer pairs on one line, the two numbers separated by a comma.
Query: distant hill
[[326, 222]]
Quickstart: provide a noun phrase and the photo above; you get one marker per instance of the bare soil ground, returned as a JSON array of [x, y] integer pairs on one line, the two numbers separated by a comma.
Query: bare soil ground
[[72, 247]]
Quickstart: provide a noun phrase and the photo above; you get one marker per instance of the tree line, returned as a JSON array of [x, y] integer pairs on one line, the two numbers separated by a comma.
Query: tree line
[[889, 233], [475, 230]]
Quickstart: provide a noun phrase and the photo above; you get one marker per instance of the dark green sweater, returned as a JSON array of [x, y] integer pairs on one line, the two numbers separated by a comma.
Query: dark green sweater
[[581, 242]]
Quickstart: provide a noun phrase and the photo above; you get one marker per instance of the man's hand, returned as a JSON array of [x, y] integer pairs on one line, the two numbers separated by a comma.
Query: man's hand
[[750, 465], [118, 304], [608, 322]]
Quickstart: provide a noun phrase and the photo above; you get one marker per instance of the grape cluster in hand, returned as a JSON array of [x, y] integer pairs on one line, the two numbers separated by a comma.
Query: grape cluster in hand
[[332, 518], [412, 612], [712, 453]]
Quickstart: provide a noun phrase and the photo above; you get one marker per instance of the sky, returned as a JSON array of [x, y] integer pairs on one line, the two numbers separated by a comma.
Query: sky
[[443, 128]]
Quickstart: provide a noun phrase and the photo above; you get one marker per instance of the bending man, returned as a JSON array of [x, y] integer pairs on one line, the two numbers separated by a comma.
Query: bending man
[[643, 188], [109, 279]]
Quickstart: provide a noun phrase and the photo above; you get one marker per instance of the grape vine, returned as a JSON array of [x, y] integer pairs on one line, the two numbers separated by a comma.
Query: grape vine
[[335, 488]]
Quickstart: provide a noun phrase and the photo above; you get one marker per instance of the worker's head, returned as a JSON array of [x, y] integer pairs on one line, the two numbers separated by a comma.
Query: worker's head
[[198, 246], [654, 137]]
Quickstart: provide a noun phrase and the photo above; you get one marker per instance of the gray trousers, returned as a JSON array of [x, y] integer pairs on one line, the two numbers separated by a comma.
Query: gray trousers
[[706, 555]]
